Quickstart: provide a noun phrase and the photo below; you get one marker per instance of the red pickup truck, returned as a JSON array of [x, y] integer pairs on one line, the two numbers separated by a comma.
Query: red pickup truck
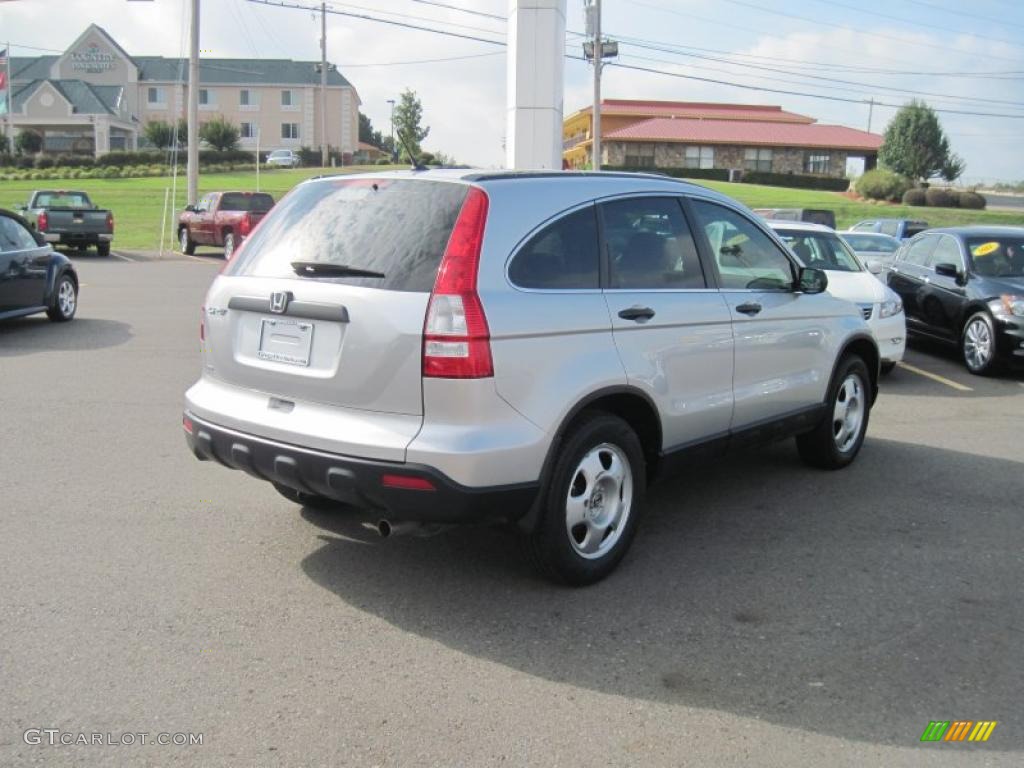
[[222, 219]]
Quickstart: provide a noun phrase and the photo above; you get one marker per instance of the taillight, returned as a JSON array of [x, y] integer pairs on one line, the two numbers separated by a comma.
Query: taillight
[[110, 221], [42, 221], [456, 340], [202, 323], [245, 227]]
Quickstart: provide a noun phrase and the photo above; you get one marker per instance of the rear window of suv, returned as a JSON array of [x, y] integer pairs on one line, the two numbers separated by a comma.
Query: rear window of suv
[[396, 227]]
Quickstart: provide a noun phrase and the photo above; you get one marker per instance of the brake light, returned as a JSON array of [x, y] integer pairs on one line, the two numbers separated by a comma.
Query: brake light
[[407, 483], [186, 423], [245, 226], [202, 323], [110, 221], [42, 221], [456, 339]]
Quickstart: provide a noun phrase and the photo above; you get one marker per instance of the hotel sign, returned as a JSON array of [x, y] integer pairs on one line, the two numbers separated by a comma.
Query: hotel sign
[[93, 60]]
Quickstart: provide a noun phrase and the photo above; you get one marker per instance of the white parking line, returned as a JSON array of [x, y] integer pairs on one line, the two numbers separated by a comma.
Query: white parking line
[[122, 257], [934, 377]]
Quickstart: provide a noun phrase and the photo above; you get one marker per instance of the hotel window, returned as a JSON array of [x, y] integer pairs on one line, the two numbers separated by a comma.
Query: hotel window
[[755, 159], [286, 99], [244, 99], [155, 96], [639, 155], [247, 130], [204, 97], [699, 157], [289, 130], [816, 162]]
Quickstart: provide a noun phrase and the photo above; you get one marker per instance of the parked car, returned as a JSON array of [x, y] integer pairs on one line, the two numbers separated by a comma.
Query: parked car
[[811, 215], [965, 286], [285, 158], [901, 229], [875, 249], [222, 219], [436, 347], [33, 277], [820, 247], [68, 217]]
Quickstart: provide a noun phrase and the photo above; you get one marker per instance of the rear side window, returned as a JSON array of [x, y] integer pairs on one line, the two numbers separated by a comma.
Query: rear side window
[[650, 246], [919, 251], [14, 237], [947, 251], [238, 201], [746, 257], [398, 228], [564, 255]]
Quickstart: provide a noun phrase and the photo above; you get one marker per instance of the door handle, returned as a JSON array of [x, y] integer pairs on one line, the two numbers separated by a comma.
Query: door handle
[[640, 314], [749, 308]]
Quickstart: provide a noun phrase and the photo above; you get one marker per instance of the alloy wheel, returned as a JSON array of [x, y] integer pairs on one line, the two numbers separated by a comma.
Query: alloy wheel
[[977, 344], [848, 413], [599, 501]]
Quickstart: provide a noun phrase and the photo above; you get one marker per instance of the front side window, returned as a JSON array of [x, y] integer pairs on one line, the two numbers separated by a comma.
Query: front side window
[[817, 162], [947, 251], [757, 159], [563, 256], [289, 130], [872, 243], [286, 98], [650, 246], [699, 157], [746, 257], [14, 237], [821, 250]]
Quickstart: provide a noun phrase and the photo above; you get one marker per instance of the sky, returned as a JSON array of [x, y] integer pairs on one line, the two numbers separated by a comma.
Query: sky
[[968, 62]]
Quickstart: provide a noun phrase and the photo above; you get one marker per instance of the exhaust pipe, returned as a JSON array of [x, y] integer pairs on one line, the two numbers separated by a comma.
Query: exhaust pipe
[[387, 528]]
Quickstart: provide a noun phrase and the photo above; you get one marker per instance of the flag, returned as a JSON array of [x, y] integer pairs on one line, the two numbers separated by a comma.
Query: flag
[[3, 82]]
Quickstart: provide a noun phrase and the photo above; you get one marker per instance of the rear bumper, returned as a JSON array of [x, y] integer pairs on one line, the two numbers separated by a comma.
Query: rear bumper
[[78, 237], [358, 481]]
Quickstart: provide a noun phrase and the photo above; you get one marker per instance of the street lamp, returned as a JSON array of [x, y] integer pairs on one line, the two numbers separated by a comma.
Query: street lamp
[[392, 103]]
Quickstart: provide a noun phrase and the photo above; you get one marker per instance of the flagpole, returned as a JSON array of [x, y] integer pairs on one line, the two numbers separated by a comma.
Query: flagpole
[[9, 103]]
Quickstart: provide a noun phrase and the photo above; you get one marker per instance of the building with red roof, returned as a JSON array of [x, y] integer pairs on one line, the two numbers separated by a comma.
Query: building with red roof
[[698, 135]]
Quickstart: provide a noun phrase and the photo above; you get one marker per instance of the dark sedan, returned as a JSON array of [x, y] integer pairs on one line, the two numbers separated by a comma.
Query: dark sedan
[[965, 286], [33, 277]]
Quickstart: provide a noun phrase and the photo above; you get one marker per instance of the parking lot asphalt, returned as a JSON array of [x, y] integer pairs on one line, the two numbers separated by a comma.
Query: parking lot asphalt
[[767, 614]]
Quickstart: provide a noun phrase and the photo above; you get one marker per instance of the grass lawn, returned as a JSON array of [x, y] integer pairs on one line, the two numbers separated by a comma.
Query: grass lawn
[[138, 203]]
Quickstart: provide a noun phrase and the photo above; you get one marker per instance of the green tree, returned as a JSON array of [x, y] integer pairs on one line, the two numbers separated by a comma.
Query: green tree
[[367, 132], [220, 134], [409, 131], [28, 142], [159, 133], [953, 168], [915, 144]]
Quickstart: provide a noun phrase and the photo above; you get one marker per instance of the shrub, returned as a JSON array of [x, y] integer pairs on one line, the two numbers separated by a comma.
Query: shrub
[[43, 162], [972, 200], [719, 174], [881, 184], [6, 160], [938, 197], [383, 161], [220, 134], [28, 142], [796, 180], [915, 196], [24, 162]]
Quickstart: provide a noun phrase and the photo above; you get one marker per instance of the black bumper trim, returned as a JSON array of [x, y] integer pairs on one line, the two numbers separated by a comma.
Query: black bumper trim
[[358, 481]]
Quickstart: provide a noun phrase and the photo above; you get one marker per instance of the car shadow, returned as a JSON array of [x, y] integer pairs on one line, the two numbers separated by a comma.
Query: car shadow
[[952, 356], [30, 335], [859, 604]]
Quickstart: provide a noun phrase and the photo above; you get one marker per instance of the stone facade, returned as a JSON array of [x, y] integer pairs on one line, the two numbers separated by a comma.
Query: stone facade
[[726, 156]]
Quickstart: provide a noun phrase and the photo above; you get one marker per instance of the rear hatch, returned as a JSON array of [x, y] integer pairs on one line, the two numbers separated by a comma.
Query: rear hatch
[[324, 305]]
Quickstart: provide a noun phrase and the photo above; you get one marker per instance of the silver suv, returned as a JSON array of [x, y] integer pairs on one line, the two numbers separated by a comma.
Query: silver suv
[[532, 348]]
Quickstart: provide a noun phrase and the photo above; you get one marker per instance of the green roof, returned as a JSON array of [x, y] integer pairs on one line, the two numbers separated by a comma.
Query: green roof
[[87, 99]]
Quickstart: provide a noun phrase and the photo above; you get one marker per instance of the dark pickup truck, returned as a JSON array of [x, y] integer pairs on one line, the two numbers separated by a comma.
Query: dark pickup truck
[[69, 218], [222, 219]]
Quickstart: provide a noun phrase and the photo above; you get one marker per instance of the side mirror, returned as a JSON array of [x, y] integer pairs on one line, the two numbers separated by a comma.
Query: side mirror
[[812, 280], [947, 270], [190, 209], [21, 208]]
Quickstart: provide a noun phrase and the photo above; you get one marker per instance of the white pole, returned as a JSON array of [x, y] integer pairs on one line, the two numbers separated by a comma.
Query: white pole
[[163, 221], [193, 108], [323, 84], [257, 158], [598, 60], [9, 101]]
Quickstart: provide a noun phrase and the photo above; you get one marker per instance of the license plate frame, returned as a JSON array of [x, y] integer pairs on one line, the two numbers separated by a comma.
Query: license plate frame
[[287, 341]]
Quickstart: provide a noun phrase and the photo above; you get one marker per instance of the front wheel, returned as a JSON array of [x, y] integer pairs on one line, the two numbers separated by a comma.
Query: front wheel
[[978, 344], [188, 247], [65, 300], [229, 246], [591, 503], [835, 442]]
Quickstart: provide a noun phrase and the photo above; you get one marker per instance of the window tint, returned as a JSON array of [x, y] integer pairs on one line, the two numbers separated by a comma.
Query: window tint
[[821, 250], [1000, 256], [888, 228], [14, 237], [650, 245], [62, 200], [947, 251], [919, 251], [746, 256], [400, 228], [563, 255], [240, 201]]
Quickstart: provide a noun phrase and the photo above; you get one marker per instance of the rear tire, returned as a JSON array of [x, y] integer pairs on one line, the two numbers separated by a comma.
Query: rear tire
[[310, 500], [65, 300], [103, 249], [188, 247], [592, 503], [835, 442], [229, 246]]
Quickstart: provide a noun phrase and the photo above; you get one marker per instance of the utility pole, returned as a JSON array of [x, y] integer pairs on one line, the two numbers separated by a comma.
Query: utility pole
[[8, 101], [392, 103], [871, 109], [598, 61], [323, 84], [193, 108]]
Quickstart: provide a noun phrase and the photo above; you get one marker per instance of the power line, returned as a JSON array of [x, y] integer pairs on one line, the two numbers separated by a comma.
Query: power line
[[464, 10], [401, 15], [971, 15], [424, 61]]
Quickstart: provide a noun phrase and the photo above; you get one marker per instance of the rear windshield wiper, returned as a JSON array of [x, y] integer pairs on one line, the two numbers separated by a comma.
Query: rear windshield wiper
[[327, 269]]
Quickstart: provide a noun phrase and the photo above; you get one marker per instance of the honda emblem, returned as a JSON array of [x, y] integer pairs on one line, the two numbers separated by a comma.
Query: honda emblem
[[279, 302]]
